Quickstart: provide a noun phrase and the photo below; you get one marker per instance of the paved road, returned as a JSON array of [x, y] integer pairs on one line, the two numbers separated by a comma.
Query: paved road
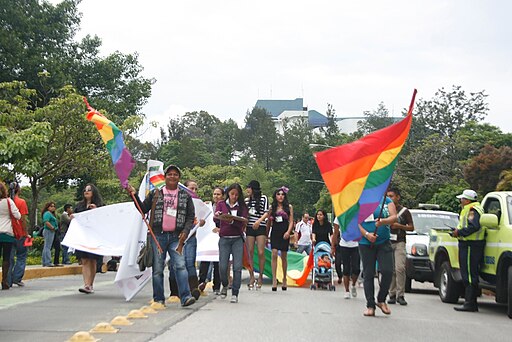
[[51, 309]]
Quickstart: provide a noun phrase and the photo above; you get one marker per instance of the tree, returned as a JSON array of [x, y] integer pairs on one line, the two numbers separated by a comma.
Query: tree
[[483, 171], [505, 183], [375, 120], [37, 39], [49, 143], [261, 138], [448, 112]]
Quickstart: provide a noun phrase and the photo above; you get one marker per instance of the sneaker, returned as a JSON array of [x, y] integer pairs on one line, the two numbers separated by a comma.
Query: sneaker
[[224, 292], [347, 295], [217, 292], [234, 299], [173, 299], [19, 283], [191, 300], [353, 291], [392, 300], [401, 301]]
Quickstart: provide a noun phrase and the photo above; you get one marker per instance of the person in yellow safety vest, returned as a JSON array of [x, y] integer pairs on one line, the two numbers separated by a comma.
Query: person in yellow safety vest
[[471, 247]]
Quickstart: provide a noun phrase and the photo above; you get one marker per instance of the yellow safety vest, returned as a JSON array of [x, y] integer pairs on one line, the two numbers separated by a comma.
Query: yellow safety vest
[[463, 222]]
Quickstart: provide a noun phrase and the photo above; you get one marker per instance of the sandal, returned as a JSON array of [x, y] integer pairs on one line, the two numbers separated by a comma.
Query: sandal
[[369, 312], [250, 286], [384, 308]]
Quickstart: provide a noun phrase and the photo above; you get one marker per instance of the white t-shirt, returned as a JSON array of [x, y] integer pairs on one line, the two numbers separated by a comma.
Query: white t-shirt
[[343, 243], [305, 230]]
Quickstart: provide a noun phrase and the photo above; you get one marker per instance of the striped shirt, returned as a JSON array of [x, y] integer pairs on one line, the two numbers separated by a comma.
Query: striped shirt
[[254, 214]]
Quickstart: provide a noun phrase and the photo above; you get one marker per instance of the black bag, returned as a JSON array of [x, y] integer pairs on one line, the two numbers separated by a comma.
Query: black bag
[[145, 258]]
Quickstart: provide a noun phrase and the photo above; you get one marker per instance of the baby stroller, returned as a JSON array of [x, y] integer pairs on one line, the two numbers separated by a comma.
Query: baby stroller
[[323, 270]]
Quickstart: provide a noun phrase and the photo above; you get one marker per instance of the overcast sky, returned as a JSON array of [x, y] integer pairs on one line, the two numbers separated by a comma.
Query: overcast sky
[[222, 56]]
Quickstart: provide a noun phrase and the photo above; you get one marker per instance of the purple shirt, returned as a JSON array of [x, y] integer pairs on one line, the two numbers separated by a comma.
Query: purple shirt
[[231, 229]]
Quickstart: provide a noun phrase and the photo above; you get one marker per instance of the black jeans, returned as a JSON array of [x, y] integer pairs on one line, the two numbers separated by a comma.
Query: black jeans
[[370, 255], [203, 273]]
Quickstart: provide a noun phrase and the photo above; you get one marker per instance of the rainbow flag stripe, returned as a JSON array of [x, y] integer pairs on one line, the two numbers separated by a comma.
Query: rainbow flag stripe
[[113, 139], [358, 174]]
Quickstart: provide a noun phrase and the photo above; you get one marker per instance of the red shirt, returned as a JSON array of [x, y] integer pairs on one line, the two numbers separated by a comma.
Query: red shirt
[[22, 207]]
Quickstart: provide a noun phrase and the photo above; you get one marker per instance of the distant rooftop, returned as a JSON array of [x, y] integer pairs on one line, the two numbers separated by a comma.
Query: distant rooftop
[[276, 107]]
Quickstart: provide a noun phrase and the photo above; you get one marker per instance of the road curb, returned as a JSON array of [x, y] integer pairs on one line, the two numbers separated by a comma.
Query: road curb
[[43, 272]]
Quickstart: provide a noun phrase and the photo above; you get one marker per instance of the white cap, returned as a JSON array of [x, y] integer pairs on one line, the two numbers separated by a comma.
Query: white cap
[[468, 194]]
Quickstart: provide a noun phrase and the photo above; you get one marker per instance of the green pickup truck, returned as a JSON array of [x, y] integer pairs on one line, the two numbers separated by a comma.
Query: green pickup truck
[[496, 270]]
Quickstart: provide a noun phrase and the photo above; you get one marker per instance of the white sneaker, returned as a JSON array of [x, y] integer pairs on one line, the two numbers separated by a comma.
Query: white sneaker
[[353, 291], [347, 295], [234, 299]]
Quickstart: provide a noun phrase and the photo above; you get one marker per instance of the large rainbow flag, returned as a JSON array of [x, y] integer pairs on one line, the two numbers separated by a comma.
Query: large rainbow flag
[[357, 174], [113, 139]]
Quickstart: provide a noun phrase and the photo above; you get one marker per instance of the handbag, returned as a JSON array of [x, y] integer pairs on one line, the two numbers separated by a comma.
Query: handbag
[[17, 229], [145, 257]]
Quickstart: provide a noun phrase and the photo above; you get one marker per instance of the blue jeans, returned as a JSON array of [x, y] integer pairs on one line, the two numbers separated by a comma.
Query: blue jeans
[[190, 250], [227, 247], [64, 250], [304, 248], [47, 247], [17, 270], [169, 242]]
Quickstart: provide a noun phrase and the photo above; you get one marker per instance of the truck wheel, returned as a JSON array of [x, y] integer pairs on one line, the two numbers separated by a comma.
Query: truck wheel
[[509, 287], [449, 289], [408, 285]]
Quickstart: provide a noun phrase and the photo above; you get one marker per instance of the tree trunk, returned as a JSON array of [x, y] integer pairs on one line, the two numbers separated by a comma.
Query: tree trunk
[[33, 206]]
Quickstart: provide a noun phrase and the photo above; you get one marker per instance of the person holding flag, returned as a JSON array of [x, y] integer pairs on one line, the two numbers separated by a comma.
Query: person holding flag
[[172, 218], [375, 247]]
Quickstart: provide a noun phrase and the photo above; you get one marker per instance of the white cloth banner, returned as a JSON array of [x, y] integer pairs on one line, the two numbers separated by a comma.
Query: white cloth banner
[[207, 241], [115, 229], [103, 230]]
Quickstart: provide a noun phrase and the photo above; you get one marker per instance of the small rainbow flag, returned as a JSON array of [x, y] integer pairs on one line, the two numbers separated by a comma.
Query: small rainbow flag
[[113, 139], [358, 174], [156, 177]]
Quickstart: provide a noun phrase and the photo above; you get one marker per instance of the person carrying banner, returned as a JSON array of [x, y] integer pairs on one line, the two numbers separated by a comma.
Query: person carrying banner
[[172, 219], [91, 200]]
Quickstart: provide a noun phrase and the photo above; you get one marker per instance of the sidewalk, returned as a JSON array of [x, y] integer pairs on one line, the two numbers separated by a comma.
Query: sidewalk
[[37, 271]]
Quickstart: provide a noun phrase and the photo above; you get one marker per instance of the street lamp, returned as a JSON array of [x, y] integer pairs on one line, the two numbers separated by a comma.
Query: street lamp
[[313, 181], [319, 145]]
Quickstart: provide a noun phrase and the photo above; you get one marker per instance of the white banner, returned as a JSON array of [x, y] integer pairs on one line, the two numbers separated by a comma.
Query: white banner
[[207, 241], [103, 230]]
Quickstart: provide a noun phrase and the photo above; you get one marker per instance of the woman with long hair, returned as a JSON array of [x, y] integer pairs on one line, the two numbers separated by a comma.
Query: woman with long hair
[[232, 214], [50, 227], [91, 200], [322, 228], [256, 231], [281, 224], [7, 210]]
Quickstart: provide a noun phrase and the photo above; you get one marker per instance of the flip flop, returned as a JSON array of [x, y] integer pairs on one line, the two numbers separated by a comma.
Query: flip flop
[[384, 308], [369, 312]]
